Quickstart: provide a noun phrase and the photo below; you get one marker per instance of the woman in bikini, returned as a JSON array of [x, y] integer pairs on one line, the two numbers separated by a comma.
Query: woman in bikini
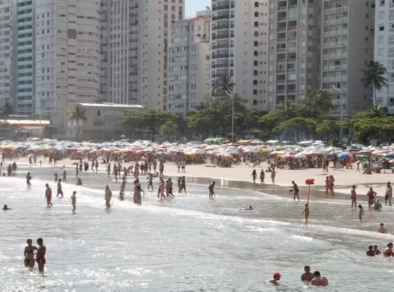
[[29, 254]]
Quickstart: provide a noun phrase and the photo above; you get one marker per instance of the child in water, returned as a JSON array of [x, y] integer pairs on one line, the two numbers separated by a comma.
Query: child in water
[[360, 212]]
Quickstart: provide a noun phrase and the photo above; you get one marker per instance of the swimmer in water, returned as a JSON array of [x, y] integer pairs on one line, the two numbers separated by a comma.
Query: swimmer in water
[[307, 276], [318, 280], [249, 209], [275, 279], [388, 252], [382, 229], [48, 195], [376, 251], [79, 182], [5, 208], [29, 254], [40, 257], [370, 251], [74, 201], [28, 178], [211, 190]]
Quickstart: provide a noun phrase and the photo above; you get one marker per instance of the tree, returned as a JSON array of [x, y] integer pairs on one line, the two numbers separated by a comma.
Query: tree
[[324, 128], [150, 120], [374, 76], [8, 109], [78, 114], [297, 125], [319, 102], [223, 86], [251, 120], [169, 129], [205, 121]]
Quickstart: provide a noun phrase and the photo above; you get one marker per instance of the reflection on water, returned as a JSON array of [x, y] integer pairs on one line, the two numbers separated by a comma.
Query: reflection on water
[[186, 244]]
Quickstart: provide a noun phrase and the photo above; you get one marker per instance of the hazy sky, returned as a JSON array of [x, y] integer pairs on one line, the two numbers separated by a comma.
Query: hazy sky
[[196, 5]]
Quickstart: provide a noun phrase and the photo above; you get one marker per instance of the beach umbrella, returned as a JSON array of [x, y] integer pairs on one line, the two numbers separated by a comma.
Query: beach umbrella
[[389, 155], [343, 155], [363, 156], [300, 156], [31, 150]]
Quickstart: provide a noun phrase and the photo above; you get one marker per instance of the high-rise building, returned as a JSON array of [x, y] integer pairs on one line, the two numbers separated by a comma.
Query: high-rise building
[[66, 56], [240, 47], [384, 50], [189, 63], [6, 55], [134, 39], [24, 39], [294, 62], [347, 46]]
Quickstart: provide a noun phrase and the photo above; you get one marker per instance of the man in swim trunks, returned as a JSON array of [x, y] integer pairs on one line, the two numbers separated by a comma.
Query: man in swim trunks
[[108, 195], [74, 200], [59, 188], [40, 257], [382, 229], [371, 198], [318, 280], [296, 191], [29, 254], [275, 279], [211, 190], [370, 251], [48, 195], [388, 252], [307, 276]]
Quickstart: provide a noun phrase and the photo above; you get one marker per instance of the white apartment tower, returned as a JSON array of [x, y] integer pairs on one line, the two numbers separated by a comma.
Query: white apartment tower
[[6, 49], [134, 39], [384, 50], [189, 63], [240, 47], [294, 62], [347, 46], [67, 55], [24, 36]]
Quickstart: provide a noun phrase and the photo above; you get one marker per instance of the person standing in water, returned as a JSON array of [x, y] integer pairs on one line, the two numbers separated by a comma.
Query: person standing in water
[[389, 194], [48, 195], [371, 198], [360, 213], [29, 254], [160, 194], [122, 188], [211, 190], [296, 191], [74, 201], [59, 188], [56, 177], [273, 174], [354, 197], [169, 189], [40, 257], [319, 280], [183, 185], [262, 176], [254, 175], [108, 196], [28, 178], [138, 196], [64, 176], [307, 276]]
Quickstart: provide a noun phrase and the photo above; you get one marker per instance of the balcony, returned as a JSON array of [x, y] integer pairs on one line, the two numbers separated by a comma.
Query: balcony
[[218, 47], [336, 10], [220, 7], [216, 66], [334, 56], [334, 67], [220, 17], [218, 27], [335, 44], [222, 56], [336, 33], [282, 8], [219, 37]]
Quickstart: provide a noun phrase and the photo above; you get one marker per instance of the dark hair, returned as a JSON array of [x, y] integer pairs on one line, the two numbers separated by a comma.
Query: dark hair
[[375, 246], [370, 247], [40, 240], [307, 267], [29, 240], [316, 273]]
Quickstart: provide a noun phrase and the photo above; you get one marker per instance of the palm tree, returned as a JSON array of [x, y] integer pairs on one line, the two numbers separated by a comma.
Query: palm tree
[[78, 114], [320, 101], [374, 76], [224, 85]]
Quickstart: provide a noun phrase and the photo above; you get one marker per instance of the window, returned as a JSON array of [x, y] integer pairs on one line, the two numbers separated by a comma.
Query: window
[[256, 14], [381, 14], [391, 53], [256, 24], [391, 40], [381, 27], [381, 40], [254, 101], [256, 4]]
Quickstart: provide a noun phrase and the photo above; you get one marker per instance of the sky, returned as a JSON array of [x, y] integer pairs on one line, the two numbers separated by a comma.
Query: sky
[[192, 6]]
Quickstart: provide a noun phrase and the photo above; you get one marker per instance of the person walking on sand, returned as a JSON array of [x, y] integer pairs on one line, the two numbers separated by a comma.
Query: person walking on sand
[[389, 194], [74, 201], [211, 190], [262, 176], [360, 213], [48, 195], [296, 191], [273, 174], [40, 257], [254, 175], [354, 197], [29, 254], [108, 196]]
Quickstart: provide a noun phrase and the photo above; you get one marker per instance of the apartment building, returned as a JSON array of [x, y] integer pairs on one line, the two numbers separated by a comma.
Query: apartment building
[[24, 43], [294, 63], [6, 56], [347, 45], [134, 39], [66, 56], [240, 45], [384, 50], [189, 63]]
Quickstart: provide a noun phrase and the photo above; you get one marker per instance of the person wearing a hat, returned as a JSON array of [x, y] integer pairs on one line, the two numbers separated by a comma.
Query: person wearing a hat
[[108, 195], [275, 279], [388, 252]]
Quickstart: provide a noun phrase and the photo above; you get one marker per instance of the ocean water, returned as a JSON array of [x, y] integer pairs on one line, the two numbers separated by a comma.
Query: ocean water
[[185, 244]]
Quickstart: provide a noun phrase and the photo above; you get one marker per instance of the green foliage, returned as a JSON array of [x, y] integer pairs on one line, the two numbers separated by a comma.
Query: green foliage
[[319, 102], [8, 109], [169, 129], [78, 114], [327, 127], [374, 76]]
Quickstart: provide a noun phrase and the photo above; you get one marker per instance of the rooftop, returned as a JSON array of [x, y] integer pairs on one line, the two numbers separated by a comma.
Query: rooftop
[[27, 122], [113, 105]]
